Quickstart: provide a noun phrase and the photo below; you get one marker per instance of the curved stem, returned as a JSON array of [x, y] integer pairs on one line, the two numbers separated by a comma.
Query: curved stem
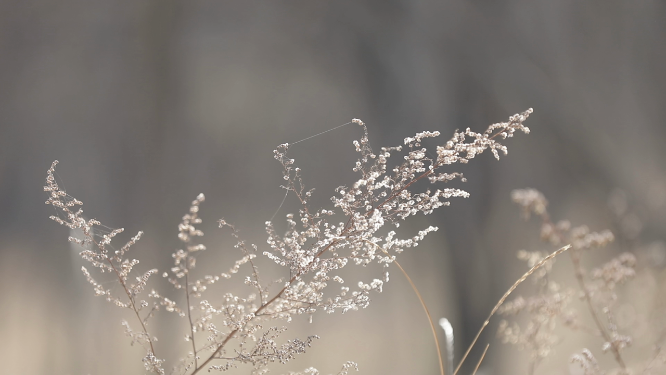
[[432, 325], [425, 308], [189, 317], [131, 299]]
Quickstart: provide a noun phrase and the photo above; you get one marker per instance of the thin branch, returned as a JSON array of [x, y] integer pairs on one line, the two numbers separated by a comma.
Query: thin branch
[[189, 317], [505, 296], [131, 299], [578, 271], [425, 308], [481, 359], [587, 295]]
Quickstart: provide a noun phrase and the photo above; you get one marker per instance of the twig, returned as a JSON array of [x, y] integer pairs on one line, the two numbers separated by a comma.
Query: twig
[[131, 299], [432, 325], [481, 359], [425, 308], [578, 271], [506, 295], [587, 296], [189, 318]]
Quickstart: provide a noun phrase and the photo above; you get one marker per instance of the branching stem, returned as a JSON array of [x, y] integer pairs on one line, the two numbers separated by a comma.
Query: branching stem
[[131, 299], [587, 296], [189, 318]]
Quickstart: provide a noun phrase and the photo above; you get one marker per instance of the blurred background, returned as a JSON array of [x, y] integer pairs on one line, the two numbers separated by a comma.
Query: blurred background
[[148, 103]]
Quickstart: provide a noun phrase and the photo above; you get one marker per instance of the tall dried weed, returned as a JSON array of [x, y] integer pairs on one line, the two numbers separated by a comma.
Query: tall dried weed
[[607, 310]]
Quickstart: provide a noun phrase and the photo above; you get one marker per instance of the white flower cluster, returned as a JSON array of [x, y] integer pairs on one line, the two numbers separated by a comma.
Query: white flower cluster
[[316, 245]]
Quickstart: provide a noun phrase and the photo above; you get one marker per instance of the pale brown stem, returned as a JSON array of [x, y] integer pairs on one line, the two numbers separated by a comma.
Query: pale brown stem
[[189, 318], [481, 359], [578, 271], [587, 296], [131, 299], [425, 308], [505, 296], [260, 309]]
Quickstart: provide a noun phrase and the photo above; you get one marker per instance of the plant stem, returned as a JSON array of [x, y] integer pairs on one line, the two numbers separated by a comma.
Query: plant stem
[[432, 325], [587, 296], [131, 299], [481, 359], [505, 296], [189, 317]]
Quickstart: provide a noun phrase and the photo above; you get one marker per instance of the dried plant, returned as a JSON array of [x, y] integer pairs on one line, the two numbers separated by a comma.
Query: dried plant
[[598, 290], [246, 329]]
